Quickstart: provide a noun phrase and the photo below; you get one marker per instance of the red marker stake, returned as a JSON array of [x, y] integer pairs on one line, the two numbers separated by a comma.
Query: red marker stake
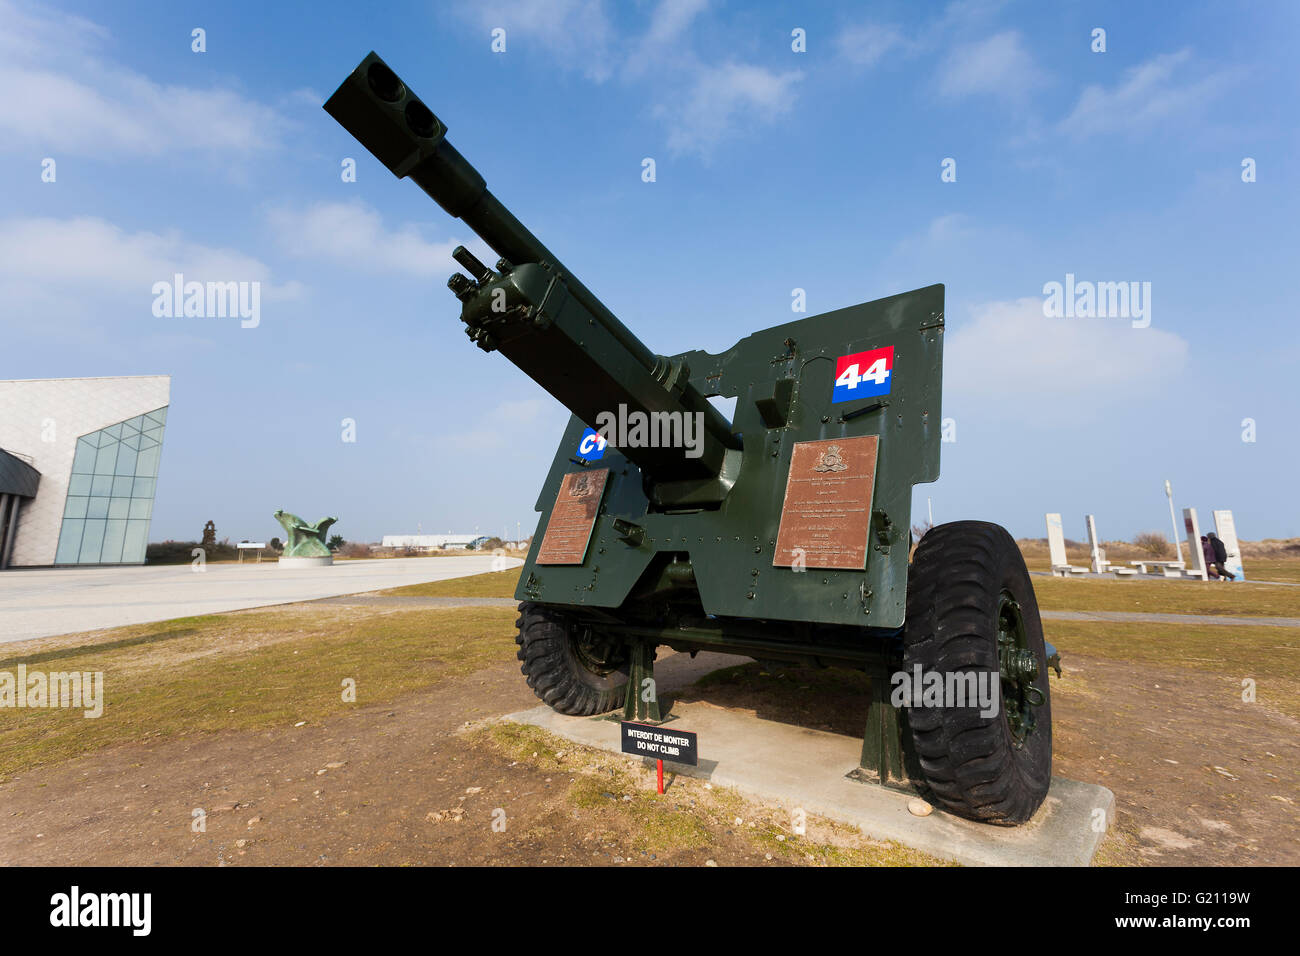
[[661, 775]]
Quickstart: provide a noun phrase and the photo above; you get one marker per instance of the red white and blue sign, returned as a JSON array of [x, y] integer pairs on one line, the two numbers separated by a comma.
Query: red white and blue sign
[[592, 446], [863, 375]]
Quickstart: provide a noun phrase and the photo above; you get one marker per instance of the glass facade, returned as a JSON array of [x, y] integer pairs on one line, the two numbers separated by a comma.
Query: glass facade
[[110, 493]]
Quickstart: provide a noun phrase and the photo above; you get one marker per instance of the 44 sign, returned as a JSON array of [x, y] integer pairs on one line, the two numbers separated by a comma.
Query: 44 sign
[[863, 374]]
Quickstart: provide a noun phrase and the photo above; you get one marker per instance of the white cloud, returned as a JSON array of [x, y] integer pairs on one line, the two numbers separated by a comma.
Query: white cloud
[[664, 47], [73, 279], [1147, 94], [701, 102], [865, 44], [30, 31], [969, 14], [948, 227], [725, 99], [945, 238], [998, 65], [1012, 356], [353, 234], [59, 97], [92, 251], [511, 424], [672, 18], [578, 34], [868, 42]]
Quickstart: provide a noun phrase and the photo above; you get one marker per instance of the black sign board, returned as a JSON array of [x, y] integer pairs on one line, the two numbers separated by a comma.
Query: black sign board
[[660, 743]]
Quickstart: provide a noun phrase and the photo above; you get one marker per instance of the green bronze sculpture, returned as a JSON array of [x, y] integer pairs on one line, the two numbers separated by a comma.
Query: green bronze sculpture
[[304, 540]]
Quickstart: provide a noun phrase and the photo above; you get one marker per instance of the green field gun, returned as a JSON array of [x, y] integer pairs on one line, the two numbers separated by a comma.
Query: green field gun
[[782, 534]]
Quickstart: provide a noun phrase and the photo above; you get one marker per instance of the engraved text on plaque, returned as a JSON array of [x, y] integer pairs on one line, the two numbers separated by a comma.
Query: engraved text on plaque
[[827, 510], [574, 515]]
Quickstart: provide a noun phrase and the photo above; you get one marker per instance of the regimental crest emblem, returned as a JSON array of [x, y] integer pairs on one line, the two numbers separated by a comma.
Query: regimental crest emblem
[[831, 460], [581, 488]]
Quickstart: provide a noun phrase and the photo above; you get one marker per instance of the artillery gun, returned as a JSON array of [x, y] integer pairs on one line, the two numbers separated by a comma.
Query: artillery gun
[[783, 534]]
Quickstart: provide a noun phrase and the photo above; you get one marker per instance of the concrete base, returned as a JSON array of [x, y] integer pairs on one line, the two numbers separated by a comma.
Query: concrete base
[[801, 768], [315, 562]]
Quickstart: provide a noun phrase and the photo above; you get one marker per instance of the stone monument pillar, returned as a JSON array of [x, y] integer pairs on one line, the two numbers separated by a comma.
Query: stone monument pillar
[[1099, 562], [1196, 561], [1226, 529]]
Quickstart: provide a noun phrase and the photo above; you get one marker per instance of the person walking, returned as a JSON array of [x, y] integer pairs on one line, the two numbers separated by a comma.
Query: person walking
[[1220, 551], [1207, 552]]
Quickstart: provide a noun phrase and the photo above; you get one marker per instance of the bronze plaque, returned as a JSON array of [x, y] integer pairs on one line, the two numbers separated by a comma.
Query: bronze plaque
[[827, 510], [574, 515]]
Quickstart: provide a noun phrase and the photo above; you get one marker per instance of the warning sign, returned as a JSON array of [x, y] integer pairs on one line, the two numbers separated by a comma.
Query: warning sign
[[660, 743]]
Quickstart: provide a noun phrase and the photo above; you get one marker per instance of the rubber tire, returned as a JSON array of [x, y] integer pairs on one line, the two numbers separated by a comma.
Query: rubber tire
[[969, 761], [555, 673]]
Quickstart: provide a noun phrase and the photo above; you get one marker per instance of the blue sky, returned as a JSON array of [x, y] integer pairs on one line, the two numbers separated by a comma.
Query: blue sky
[[775, 169]]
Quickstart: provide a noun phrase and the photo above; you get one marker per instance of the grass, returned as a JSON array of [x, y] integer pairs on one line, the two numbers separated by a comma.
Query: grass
[[1272, 569], [596, 787], [663, 823], [489, 584], [246, 671], [1269, 655], [1055, 594], [1167, 597]]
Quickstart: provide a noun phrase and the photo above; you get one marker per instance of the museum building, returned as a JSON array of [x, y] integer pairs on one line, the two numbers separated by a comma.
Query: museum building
[[78, 468]]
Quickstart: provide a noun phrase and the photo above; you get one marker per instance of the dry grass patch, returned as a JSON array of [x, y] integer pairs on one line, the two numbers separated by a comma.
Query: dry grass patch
[[620, 795], [1272, 569], [1167, 597], [244, 671], [1268, 655], [489, 584]]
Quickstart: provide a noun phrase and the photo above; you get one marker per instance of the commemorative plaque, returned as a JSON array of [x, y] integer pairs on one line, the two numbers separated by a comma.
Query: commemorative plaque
[[574, 515], [826, 515]]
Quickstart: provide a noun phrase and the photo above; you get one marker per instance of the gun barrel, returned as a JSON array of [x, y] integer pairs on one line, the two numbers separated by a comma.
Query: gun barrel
[[589, 360], [381, 112]]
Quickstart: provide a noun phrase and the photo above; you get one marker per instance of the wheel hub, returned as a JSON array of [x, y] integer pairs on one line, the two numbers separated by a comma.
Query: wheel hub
[[1017, 671], [598, 653]]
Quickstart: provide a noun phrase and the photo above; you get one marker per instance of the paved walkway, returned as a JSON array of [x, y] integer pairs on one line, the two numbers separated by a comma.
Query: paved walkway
[[46, 602], [1136, 617]]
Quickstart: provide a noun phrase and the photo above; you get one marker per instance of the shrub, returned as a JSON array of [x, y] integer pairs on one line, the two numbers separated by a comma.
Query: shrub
[[1153, 543], [181, 552]]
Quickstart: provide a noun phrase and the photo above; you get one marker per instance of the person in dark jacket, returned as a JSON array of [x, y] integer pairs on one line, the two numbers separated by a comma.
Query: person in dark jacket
[[1207, 552], [1220, 552]]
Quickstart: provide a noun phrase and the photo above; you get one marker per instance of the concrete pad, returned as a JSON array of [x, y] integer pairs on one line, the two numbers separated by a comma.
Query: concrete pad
[[50, 601], [311, 561], [797, 767]]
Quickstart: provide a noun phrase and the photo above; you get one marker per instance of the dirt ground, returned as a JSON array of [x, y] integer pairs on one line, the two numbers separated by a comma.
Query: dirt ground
[[408, 783], [1200, 777], [414, 782]]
